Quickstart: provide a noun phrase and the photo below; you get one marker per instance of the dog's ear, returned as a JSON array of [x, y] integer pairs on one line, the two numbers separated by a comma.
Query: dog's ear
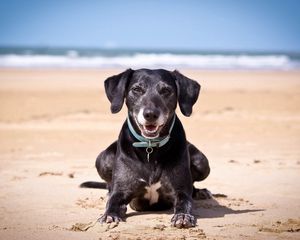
[[115, 88], [187, 92]]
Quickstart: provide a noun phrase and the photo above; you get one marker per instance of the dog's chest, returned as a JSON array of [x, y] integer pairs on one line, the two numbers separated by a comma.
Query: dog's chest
[[152, 193]]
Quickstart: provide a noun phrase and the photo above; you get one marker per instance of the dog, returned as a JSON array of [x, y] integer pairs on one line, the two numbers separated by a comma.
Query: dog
[[152, 166]]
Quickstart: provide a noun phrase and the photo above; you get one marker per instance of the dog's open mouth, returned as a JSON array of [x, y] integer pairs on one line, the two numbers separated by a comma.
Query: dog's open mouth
[[149, 130]]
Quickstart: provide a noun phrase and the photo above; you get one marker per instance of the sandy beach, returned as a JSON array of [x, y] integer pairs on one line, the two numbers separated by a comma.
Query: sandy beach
[[53, 124]]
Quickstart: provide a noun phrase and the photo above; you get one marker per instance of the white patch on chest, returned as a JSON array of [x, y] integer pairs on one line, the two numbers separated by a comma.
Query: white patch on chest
[[152, 194]]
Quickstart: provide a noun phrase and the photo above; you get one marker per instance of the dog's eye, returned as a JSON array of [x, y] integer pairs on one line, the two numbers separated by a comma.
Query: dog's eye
[[165, 91], [138, 90]]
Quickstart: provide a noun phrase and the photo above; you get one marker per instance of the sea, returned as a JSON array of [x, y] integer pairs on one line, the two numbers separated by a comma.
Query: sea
[[97, 58]]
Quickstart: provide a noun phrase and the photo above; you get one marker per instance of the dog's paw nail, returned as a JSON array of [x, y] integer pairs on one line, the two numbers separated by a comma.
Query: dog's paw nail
[[109, 219], [102, 219], [117, 220], [189, 221]]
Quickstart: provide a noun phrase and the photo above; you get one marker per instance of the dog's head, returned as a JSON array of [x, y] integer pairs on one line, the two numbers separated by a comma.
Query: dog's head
[[151, 97]]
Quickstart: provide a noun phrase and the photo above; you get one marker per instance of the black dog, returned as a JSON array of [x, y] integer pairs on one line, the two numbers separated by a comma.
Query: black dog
[[152, 166]]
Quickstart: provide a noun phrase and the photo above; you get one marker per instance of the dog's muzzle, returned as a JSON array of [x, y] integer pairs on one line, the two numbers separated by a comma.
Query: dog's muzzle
[[150, 122]]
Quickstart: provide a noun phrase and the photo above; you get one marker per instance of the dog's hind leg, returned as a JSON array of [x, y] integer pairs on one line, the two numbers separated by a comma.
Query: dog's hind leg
[[105, 161], [199, 163], [200, 170], [104, 166]]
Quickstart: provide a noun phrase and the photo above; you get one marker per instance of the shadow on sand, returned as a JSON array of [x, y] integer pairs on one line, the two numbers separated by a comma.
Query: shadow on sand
[[210, 208]]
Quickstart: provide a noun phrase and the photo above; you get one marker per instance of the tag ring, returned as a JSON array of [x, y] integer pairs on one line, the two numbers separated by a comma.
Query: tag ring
[[149, 150]]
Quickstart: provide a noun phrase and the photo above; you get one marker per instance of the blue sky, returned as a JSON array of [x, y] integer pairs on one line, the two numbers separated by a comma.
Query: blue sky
[[191, 24]]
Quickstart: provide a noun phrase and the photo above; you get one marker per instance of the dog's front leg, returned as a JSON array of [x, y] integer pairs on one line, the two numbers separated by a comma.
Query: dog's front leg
[[115, 208], [183, 217]]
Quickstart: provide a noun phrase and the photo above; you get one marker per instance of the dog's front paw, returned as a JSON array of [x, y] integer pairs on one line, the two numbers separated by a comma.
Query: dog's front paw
[[182, 220], [110, 218]]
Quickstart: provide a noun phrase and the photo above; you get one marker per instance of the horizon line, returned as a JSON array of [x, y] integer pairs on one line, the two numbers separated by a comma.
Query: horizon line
[[150, 49]]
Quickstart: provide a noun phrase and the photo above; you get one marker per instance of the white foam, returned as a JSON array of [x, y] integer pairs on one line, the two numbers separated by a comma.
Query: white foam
[[149, 60]]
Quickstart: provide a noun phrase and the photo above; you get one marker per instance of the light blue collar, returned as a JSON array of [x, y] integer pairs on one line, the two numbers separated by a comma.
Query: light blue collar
[[150, 143]]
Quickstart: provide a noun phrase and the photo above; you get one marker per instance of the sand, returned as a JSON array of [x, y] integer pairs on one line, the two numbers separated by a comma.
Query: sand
[[53, 124]]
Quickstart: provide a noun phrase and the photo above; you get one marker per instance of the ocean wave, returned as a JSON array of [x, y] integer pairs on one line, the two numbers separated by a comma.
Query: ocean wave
[[149, 60]]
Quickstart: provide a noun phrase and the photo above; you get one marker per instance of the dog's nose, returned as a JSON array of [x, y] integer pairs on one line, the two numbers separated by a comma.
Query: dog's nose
[[151, 115]]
